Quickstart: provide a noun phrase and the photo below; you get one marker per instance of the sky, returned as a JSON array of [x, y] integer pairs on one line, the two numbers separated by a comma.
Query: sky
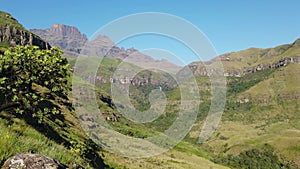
[[230, 25]]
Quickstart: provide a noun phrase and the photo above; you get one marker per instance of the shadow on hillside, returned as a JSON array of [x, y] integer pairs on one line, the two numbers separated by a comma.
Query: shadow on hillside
[[50, 128], [91, 154]]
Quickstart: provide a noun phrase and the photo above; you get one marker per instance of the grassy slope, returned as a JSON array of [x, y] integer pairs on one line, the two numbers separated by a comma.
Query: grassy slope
[[170, 159], [271, 117], [61, 138], [249, 58], [285, 82], [18, 137], [7, 20]]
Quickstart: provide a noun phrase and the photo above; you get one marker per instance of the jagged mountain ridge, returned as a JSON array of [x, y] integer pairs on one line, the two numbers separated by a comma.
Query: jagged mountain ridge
[[70, 39], [73, 42]]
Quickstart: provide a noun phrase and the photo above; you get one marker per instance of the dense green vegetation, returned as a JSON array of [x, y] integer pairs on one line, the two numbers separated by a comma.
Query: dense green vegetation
[[254, 159], [237, 85], [23, 67]]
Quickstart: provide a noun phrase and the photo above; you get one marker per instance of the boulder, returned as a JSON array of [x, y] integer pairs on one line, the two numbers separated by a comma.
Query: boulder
[[32, 161]]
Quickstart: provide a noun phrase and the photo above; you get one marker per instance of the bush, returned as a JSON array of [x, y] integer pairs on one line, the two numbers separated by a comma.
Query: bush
[[21, 68], [253, 159]]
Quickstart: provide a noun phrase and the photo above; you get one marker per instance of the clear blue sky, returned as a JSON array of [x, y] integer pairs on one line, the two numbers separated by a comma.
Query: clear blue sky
[[231, 25]]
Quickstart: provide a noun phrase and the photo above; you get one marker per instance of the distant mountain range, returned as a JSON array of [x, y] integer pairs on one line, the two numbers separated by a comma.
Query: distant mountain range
[[72, 41]]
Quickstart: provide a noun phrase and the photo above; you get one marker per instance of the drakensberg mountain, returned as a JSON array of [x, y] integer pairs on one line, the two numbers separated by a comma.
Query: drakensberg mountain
[[72, 41], [260, 127]]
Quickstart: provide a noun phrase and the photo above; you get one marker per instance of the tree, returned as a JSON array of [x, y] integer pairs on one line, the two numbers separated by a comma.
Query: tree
[[21, 68]]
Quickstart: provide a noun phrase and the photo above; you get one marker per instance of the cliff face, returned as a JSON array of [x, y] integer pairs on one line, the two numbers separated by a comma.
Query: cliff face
[[66, 31], [67, 38], [12, 33], [14, 36]]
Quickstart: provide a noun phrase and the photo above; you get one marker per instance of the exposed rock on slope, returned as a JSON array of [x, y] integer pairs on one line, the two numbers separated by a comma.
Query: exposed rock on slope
[[252, 60], [32, 161], [14, 36], [12, 33]]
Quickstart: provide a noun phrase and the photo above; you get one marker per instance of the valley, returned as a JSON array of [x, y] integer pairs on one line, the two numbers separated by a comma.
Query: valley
[[259, 128]]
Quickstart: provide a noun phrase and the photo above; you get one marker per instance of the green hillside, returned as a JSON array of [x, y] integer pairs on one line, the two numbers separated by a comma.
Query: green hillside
[[261, 118], [7, 20]]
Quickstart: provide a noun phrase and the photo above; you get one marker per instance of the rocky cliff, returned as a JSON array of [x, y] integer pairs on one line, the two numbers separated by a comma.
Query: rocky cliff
[[67, 38], [12, 33]]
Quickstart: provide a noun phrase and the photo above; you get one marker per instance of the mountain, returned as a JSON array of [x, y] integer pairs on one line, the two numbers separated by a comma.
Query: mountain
[[13, 33], [73, 42], [67, 38]]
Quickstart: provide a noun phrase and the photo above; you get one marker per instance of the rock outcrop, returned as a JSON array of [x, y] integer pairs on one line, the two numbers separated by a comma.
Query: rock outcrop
[[12, 33], [32, 161], [237, 64], [280, 63], [14, 37]]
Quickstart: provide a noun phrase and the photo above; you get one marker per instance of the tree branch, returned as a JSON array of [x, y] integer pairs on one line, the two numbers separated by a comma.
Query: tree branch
[[9, 105]]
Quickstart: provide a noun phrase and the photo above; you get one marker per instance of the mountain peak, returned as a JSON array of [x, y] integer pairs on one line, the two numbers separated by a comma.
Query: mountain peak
[[65, 30], [68, 38]]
